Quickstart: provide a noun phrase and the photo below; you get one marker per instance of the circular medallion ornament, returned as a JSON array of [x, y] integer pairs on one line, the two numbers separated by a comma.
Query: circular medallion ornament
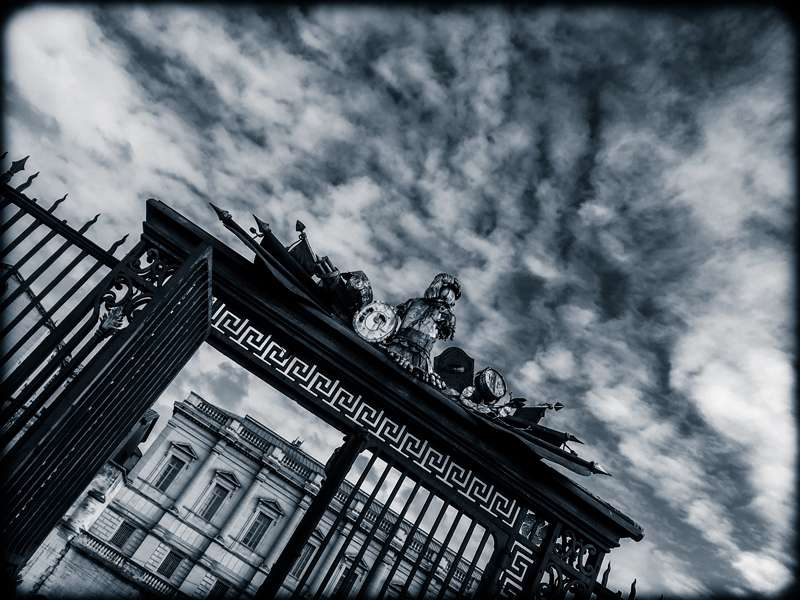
[[375, 321], [489, 386]]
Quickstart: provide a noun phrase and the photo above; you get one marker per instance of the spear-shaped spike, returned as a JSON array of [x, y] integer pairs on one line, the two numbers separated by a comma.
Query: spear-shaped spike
[[572, 438], [27, 184], [632, 595], [222, 215], [117, 244], [16, 167], [262, 226], [606, 573], [88, 224], [4, 155], [56, 203], [596, 468]]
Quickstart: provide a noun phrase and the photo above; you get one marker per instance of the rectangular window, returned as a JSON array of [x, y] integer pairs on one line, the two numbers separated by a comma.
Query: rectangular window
[[213, 502], [256, 531], [218, 591], [123, 534], [169, 564], [302, 561], [167, 476]]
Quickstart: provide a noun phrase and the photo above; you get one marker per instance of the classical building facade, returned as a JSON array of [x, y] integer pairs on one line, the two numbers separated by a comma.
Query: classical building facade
[[206, 512]]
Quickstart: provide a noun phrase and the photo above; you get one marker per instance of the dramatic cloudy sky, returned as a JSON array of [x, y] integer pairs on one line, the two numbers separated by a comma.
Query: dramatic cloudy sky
[[613, 188]]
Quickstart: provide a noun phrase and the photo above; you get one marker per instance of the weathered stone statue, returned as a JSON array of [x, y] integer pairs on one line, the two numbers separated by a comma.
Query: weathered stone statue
[[423, 321]]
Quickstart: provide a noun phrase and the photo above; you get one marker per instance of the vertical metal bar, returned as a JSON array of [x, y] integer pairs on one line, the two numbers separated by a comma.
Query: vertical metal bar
[[424, 549], [18, 240], [456, 561], [375, 527], [31, 253], [388, 542], [21, 212], [409, 539], [354, 528], [36, 274], [341, 466], [54, 309], [37, 298], [441, 553], [119, 389], [468, 575], [95, 445]]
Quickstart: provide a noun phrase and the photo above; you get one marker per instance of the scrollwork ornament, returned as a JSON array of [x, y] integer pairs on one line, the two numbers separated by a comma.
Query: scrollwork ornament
[[554, 587], [156, 271]]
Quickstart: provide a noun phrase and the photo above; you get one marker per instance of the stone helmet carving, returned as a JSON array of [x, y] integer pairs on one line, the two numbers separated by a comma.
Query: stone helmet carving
[[443, 280]]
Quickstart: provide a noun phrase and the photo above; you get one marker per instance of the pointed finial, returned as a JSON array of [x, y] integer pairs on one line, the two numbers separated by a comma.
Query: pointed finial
[[27, 184], [222, 215], [606, 573], [88, 224], [4, 155], [262, 226], [16, 167], [632, 595], [299, 226], [117, 244], [56, 203]]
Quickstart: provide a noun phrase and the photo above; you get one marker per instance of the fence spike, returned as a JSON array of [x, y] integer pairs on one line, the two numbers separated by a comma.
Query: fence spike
[[606, 573], [632, 595], [16, 167], [27, 184], [56, 203], [4, 155], [117, 244], [88, 224]]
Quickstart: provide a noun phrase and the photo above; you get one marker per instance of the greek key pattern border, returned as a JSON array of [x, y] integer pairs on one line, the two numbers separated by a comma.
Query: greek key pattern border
[[268, 350], [522, 558]]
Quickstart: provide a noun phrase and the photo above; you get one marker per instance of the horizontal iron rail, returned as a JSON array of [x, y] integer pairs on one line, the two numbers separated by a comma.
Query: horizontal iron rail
[[40, 214]]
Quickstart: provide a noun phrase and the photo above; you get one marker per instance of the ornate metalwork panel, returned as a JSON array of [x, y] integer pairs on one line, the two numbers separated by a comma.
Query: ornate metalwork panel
[[272, 353]]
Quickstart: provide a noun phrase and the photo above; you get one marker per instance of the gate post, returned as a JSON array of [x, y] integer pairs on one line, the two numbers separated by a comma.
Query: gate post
[[340, 465]]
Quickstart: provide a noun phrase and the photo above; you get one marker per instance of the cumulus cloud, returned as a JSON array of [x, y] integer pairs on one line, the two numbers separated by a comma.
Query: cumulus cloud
[[613, 189]]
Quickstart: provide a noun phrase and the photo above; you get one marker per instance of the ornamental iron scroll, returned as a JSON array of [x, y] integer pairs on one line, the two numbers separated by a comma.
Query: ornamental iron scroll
[[141, 275], [576, 552], [557, 584]]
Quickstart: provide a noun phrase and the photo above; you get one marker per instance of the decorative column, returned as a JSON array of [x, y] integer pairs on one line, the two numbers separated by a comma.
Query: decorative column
[[195, 481], [286, 533], [326, 562], [261, 476]]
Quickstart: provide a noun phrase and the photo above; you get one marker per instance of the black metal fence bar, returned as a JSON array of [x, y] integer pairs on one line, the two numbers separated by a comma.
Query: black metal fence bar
[[421, 555], [435, 561], [121, 399], [39, 357], [40, 214], [376, 526], [457, 560], [407, 544], [30, 254], [335, 525], [354, 528], [388, 542], [114, 403], [48, 315], [473, 565], [42, 268], [20, 238]]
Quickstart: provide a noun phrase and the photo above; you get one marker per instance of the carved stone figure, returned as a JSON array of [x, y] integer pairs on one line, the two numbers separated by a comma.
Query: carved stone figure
[[423, 321]]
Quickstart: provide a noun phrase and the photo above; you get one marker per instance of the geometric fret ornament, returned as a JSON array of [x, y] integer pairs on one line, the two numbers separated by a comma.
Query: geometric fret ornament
[[275, 356]]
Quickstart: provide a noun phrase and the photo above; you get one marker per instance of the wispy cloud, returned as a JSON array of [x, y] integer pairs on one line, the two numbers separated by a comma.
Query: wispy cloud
[[613, 188]]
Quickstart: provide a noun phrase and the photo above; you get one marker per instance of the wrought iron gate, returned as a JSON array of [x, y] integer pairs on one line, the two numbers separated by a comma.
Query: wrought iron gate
[[74, 396]]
